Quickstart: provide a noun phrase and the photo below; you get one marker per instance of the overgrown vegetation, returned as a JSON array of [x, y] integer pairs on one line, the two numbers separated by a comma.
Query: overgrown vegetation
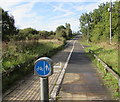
[[109, 54], [15, 53], [95, 25]]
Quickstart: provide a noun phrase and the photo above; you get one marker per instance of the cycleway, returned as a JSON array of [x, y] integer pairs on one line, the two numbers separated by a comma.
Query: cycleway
[[82, 80]]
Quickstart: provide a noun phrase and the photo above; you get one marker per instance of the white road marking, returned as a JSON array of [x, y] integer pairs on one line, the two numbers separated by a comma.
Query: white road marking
[[65, 66], [56, 88], [82, 46]]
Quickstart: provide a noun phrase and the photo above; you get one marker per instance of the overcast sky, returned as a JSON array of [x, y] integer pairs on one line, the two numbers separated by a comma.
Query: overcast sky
[[48, 14]]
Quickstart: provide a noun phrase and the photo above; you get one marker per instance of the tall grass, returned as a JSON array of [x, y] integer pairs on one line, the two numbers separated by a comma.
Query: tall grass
[[15, 53], [109, 54], [20, 57]]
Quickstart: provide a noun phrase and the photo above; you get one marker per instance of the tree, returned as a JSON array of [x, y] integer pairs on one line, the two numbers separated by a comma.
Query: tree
[[44, 34], [27, 33], [99, 26], [8, 25], [68, 30], [61, 32]]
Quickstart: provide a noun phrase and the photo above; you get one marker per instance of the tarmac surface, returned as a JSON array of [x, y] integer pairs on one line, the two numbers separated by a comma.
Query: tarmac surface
[[81, 80]]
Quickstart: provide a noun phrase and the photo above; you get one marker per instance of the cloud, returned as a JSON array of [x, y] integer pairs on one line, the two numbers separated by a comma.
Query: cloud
[[53, 24], [24, 13], [58, 8], [19, 9], [66, 14], [101, 1], [64, 11], [35, 22], [74, 22], [8, 4], [25, 16], [86, 7]]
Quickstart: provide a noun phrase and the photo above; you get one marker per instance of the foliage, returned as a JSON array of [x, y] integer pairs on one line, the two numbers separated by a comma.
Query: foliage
[[33, 34], [27, 31], [95, 25], [63, 32], [8, 25], [68, 30], [15, 53], [44, 34], [60, 31]]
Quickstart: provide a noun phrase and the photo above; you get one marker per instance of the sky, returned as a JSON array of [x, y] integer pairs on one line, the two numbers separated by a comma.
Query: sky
[[48, 14]]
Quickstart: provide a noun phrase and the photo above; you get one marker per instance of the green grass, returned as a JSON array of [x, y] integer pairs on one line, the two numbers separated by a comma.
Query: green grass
[[24, 54], [18, 52], [109, 54]]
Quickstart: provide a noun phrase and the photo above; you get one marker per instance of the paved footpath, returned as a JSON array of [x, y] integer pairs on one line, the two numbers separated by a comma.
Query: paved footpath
[[29, 88], [81, 80]]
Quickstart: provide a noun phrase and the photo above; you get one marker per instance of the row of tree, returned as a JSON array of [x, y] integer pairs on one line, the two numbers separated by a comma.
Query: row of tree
[[9, 31], [32, 34], [61, 33], [95, 26]]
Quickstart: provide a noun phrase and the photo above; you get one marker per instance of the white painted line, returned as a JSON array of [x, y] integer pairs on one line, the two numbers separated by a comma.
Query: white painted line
[[69, 55], [82, 46], [60, 78]]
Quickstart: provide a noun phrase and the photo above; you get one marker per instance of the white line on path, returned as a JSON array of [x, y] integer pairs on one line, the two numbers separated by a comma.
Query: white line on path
[[82, 46], [65, 66], [59, 81]]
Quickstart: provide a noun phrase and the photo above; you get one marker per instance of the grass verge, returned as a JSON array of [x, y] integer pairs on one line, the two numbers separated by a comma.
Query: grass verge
[[109, 54]]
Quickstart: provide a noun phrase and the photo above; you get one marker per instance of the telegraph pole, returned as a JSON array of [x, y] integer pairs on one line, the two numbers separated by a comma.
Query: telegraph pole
[[110, 22], [88, 33]]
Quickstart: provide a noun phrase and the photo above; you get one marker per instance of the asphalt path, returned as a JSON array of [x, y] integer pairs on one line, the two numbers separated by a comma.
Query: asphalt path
[[81, 80]]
